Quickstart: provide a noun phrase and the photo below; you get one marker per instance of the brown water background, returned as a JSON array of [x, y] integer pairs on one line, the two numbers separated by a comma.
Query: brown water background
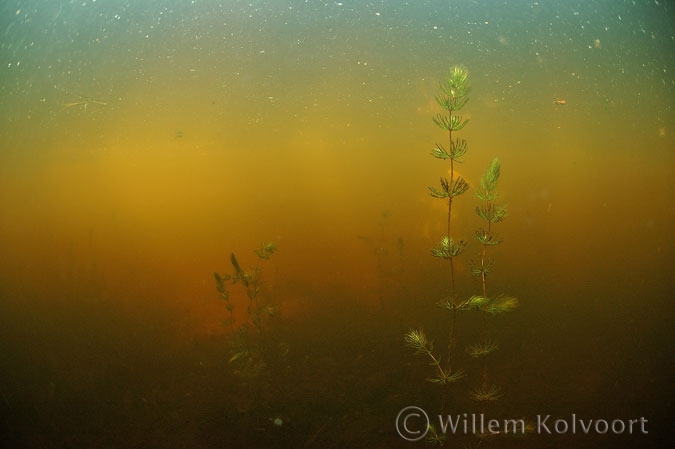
[[142, 144]]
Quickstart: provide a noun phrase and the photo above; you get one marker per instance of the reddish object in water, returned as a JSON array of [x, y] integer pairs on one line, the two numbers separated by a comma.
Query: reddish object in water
[[560, 101]]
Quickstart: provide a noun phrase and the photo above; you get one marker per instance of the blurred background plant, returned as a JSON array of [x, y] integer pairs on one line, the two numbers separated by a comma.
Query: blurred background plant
[[248, 345]]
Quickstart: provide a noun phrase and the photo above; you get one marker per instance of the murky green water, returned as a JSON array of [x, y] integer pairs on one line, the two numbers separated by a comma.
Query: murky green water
[[143, 144]]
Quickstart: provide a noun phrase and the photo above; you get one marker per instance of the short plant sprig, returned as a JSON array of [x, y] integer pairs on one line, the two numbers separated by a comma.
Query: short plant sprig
[[491, 213], [417, 339]]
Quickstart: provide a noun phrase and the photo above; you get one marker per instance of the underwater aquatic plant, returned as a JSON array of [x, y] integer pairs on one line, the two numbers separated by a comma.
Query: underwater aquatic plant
[[224, 294], [452, 98], [266, 250], [247, 352], [433, 437], [491, 213], [486, 393], [482, 349], [416, 339]]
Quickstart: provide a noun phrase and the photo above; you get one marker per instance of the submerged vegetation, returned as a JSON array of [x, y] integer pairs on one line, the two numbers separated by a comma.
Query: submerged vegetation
[[491, 213], [453, 97], [247, 349]]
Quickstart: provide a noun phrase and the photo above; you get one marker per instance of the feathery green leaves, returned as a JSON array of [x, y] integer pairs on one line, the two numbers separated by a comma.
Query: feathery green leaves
[[448, 248], [459, 186], [480, 267], [492, 212], [417, 339], [486, 237], [458, 148], [487, 190], [482, 349], [502, 304], [491, 393], [448, 378], [455, 90], [450, 122], [495, 306]]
